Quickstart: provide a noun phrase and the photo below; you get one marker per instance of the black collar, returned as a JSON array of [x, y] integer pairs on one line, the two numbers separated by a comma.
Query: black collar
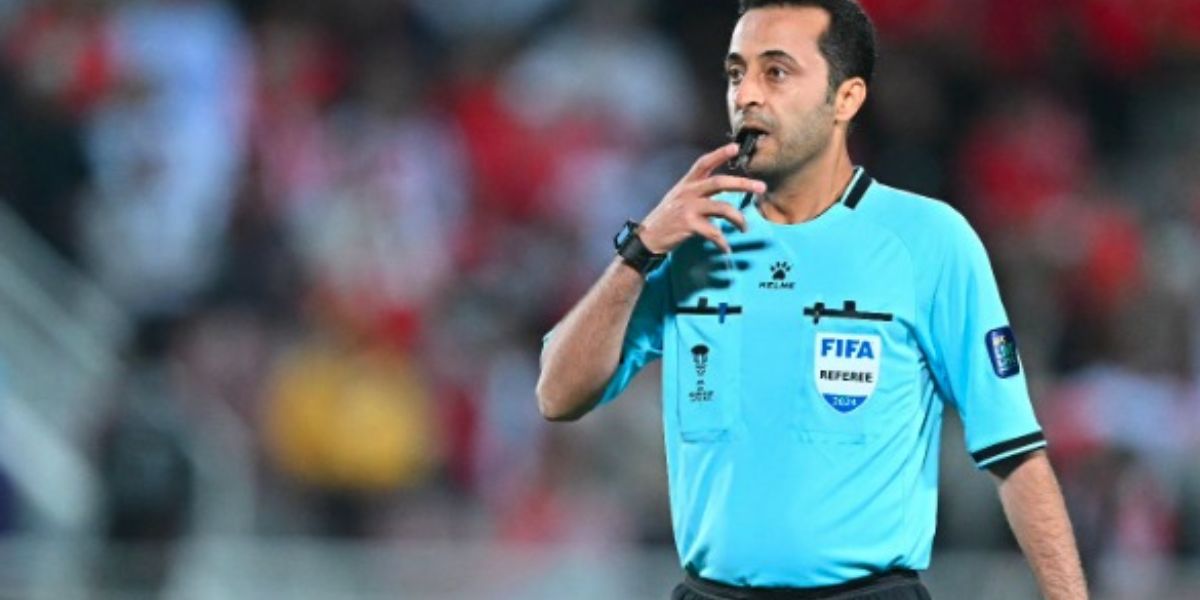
[[858, 189], [860, 183]]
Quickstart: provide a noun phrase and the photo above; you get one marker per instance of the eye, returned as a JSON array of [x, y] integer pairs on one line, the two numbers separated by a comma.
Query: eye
[[734, 74], [776, 73]]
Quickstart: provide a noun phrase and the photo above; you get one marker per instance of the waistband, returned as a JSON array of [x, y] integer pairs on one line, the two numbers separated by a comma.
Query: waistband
[[871, 583]]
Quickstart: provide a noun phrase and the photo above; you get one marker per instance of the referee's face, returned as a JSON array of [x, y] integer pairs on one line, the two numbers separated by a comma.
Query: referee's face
[[779, 84]]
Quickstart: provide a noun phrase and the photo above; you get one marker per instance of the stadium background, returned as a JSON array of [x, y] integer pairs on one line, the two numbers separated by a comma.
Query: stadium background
[[273, 276]]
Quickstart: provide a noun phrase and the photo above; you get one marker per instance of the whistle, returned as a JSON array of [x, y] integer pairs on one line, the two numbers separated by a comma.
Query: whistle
[[746, 141]]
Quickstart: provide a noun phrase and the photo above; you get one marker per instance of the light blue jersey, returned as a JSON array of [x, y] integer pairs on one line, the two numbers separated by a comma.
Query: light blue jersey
[[804, 378]]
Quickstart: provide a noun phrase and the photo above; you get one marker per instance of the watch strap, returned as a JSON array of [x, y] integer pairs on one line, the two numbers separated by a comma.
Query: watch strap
[[634, 252]]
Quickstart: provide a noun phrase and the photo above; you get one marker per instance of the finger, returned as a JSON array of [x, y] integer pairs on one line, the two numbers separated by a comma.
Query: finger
[[718, 283], [720, 209], [737, 265], [729, 183], [710, 233], [706, 164]]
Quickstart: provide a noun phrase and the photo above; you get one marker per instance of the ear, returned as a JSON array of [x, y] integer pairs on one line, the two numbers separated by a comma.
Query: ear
[[851, 95]]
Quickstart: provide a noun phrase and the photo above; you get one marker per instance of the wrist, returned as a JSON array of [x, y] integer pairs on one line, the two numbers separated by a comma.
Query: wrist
[[650, 241], [626, 271], [633, 250]]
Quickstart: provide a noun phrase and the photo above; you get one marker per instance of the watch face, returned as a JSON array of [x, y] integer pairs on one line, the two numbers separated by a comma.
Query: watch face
[[624, 235]]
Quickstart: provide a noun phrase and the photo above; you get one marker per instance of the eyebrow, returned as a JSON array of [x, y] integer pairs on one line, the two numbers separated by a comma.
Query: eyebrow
[[734, 57]]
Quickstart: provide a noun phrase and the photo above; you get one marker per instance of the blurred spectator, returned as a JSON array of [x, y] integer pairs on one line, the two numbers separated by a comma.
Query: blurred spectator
[[377, 236], [301, 73], [351, 422], [147, 469], [605, 64], [167, 146]]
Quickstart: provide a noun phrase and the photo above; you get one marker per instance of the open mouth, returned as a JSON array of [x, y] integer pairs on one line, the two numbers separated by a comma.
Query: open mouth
[[749, 130]]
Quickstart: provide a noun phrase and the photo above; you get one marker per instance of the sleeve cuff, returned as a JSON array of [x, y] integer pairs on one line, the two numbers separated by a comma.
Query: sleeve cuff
[[1004, 450]]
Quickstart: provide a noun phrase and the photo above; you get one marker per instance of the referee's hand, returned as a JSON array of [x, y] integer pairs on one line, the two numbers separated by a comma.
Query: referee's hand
[[686, 209]]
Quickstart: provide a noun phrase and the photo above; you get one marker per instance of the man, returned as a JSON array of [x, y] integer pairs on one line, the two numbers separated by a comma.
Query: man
[[812, 324]]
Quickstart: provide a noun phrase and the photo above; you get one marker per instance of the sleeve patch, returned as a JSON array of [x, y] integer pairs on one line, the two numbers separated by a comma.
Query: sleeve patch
[[1002, 349]]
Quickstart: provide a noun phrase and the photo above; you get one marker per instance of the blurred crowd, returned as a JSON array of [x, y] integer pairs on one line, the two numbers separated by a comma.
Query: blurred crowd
[[341, 230]]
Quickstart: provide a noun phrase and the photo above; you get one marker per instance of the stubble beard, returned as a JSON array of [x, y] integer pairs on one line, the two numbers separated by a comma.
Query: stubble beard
[[798, 149]]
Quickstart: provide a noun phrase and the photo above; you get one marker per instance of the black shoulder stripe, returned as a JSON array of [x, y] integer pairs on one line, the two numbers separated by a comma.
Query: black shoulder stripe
[[998, 449], [860, 189]]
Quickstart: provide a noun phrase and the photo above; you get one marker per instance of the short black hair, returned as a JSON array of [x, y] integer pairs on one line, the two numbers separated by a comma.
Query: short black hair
[[848, 45]]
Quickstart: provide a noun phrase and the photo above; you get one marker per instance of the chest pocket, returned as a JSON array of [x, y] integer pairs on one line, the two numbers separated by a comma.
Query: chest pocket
[[847, 372], [709, 366]]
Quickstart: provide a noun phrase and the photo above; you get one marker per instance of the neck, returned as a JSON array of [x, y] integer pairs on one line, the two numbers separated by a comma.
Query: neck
[[809, 191]]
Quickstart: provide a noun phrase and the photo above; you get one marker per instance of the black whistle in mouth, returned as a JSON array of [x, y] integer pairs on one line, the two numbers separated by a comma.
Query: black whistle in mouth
[[746, 140]]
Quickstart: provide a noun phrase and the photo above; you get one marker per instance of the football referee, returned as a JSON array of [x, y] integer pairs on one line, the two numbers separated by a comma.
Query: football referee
[[813, 324]]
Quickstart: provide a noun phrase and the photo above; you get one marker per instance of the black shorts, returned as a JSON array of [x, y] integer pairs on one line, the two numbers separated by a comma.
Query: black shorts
[[892, 585]]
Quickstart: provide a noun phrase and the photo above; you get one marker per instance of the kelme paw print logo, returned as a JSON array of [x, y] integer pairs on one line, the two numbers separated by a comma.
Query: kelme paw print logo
[[780, 270]]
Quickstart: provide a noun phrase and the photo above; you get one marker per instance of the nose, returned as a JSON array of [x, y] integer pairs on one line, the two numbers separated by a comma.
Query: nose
[[746, 94]]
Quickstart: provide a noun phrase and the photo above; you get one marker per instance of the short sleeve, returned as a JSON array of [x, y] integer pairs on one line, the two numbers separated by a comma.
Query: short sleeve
[[974, 355], [643, 341]]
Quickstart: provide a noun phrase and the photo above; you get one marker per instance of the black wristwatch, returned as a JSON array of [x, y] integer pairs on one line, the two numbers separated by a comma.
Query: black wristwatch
[[635, 254]]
